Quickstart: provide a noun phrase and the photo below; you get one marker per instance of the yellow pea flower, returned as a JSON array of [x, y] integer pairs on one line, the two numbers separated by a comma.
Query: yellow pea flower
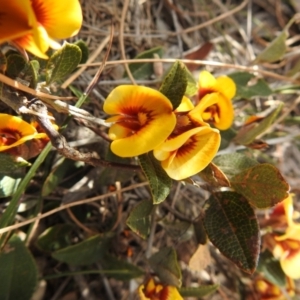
[[286, 247], [154, 291], [191, 146], [143, 119], [14, 132], [35, 24], [221, 113], [269, 291]]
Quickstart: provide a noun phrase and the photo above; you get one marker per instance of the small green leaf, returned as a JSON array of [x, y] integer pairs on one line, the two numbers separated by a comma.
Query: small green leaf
[[246, 136], [271, 269], [175, 83], [192, 85], [9, 184], [139, 220], [275, 50], [160, 183], [84, 51], [233, 163], [18, 272], [18, 68], [165, 265], [262, 185], [247, 91], [62, 63], [120, 269], [213, 175], [56, 175], [10, 164], [200, 291], [231, 225], [55, 237], [179, 230], [144, 70], [86, 252]]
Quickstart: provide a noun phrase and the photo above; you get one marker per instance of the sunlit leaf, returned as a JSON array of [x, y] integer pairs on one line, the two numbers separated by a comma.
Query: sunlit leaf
[[200, 291], [233, 163], [175, 83], [160, 183], [139, 220], [248, 134], [62, 63], [262, 185], [271, 269], [86, 252], [18, 272], [9, 184], [200, 259], [231, 225], [165, 265]]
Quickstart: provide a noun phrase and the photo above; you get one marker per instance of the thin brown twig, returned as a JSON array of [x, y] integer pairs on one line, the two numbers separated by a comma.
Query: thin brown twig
[[121, 39], [251, 69], [68, 205], [101, 68], [19, 86]]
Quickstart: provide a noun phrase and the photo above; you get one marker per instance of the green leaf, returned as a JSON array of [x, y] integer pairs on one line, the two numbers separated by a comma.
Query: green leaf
[[175, 83], [245, 90], [234, 163], [192, 85], [56, 175], [246, 135], [139, 220], [165, 265], [271, 269], [25, 72], [144, 70], [231, 225], [262, 185], [84, 51], [213, 175], [10, 164], [200, 291], [179, 230], [62, 63], [87, 252], [160, 183], [275, 50], [9, 184], [120, 269], [55, 237], [18, 272]]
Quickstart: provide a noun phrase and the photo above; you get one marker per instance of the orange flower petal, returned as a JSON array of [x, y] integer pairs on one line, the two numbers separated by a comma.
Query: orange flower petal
[[15, 19], [145, 119], [189, 153]]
